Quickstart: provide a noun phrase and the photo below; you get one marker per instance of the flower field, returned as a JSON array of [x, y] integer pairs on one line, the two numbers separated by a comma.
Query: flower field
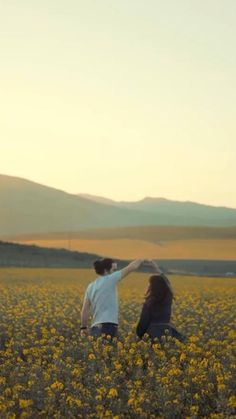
[[47, 370]]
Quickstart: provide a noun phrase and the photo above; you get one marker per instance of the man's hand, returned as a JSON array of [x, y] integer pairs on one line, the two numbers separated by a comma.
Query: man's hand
[[84, 332], [85, 313]]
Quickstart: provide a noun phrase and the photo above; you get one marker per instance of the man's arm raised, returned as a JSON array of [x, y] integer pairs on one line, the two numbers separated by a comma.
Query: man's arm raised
[[133, 266]]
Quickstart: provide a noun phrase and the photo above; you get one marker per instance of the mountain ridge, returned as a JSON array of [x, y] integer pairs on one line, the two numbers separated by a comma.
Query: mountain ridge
[[28, 207], [150, 199]]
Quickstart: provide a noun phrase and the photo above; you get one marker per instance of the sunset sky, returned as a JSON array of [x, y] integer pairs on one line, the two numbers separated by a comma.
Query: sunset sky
[[121, 98]]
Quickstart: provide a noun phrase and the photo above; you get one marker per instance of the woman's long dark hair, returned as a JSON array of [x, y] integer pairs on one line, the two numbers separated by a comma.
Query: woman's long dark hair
[[159, 289]]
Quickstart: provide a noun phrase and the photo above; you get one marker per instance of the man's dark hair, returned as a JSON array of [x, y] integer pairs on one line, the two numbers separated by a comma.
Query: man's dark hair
[[102, 265]]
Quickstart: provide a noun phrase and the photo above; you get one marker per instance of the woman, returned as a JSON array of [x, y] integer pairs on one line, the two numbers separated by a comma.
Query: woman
[[156, 312]]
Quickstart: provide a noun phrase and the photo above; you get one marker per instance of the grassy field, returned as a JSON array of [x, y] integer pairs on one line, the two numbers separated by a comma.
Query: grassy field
[[159, 242], [48, 370], [151, 233], [131, 248]]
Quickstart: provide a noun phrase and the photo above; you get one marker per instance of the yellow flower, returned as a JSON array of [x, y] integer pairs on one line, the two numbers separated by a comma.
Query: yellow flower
[[112, 393], [25, 403], [57, 385], [232, 402], [182, 357], [174, 372], [194, 410], [117, 365], [48, 365], [2, 380], [76, 372], [139, 362], [193, 339]]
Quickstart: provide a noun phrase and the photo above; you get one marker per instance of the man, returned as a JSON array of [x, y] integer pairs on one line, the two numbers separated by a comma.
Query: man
[[101, 297]]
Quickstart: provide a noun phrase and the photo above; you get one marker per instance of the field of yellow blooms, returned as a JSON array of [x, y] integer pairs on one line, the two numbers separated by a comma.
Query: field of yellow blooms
[[47, 370]]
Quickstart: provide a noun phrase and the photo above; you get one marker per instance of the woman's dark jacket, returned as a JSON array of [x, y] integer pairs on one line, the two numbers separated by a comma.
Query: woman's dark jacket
[[154, 312]]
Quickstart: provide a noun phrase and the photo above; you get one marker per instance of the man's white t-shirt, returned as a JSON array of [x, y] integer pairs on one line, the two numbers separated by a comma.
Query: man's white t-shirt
[[103, 298]]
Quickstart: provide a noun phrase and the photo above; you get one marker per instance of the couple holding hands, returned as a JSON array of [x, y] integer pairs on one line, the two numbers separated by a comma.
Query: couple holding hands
[[101, 299]]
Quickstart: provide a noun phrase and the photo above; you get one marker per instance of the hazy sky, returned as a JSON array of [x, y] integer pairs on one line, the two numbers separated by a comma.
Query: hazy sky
[[120, 98]]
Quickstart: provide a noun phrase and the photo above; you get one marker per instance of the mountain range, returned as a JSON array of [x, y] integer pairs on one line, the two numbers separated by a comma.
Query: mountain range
[[27, 207]]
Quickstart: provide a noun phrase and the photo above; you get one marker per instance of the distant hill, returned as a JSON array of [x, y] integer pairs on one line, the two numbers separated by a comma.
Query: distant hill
[[219, 215], [191, 213], [27, 207], [18, 255], [29, 256]]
